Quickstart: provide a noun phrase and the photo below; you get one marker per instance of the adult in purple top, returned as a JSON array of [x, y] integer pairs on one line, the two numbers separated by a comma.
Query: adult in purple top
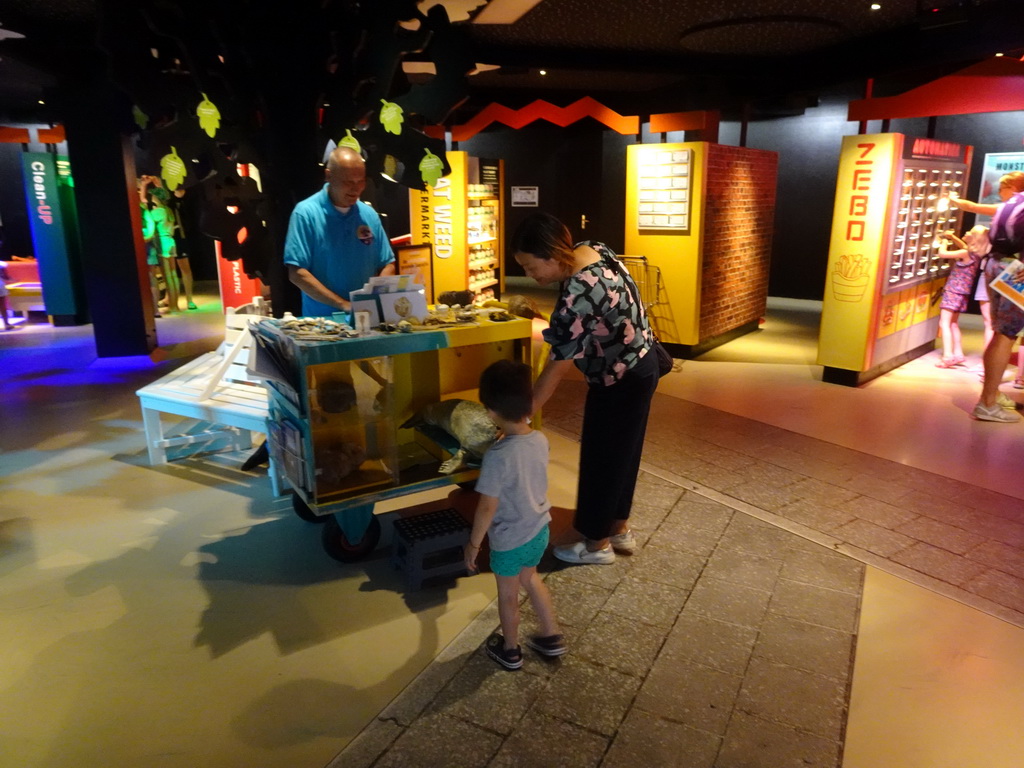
[[1007, 236], [600, 327]]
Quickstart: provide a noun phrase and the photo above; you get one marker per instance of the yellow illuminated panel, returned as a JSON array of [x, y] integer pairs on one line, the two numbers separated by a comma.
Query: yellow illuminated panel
[[675, 251], [935, 307], [863, 191], [924, 295], [438, 217]]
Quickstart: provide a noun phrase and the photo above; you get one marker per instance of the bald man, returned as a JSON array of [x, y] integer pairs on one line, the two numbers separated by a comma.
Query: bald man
[[336, 242]]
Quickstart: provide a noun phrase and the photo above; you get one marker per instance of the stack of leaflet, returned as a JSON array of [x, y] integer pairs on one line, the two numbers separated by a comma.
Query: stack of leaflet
[[390, 299]]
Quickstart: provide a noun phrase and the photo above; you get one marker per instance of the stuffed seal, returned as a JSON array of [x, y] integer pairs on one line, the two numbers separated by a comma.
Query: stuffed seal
[[466, 421]]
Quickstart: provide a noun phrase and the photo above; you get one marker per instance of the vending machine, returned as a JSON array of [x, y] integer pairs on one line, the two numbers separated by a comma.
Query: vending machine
[[884, 280]]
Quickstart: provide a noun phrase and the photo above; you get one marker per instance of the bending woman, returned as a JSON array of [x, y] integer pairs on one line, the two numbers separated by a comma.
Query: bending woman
[[598, 325]]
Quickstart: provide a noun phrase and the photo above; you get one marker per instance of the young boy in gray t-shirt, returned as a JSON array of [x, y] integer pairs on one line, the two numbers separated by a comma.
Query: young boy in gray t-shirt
[[514, 513]]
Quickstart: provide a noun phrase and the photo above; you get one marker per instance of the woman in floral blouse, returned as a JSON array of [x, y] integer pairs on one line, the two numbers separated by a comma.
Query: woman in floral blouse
[[599, 326]]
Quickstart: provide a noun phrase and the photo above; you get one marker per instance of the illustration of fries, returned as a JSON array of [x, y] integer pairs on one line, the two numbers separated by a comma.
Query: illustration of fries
[[850, 277]]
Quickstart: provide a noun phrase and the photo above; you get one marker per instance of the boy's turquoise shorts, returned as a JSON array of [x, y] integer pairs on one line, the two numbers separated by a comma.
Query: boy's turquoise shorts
[[512, 561]]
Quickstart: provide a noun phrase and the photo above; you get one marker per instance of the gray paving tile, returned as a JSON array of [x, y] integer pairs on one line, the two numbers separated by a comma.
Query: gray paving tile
[[689, 693], [999, 587], [716, 644], [947, 537], [645, 601], [544, 741], [668, 566], [992, 502], [827, 494], [685, 537], [621, 644], [814, 515], [369, 745], [647, 740], [876, 511], [795, 697], [576, 602], [488, 696], [875, 487], [756, 537], [1000, 556], [810, 466], [815, 605], [873, 538], [993, 527], [824, 568], [940, 564], [739, 567], [751, 742], [701, 512], [607, 576], [733, 603], [588, 695], [726, 458], [711, 475], [764, 495], [931, 505], [821, 650], [437, 741]]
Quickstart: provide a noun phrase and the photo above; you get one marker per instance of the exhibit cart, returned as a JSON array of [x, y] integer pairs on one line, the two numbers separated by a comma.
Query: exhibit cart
[[702, 214], [884, 280], [337, 409]]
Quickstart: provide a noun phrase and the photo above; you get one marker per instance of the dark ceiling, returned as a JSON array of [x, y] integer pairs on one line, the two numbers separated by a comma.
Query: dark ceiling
[[635, 56]]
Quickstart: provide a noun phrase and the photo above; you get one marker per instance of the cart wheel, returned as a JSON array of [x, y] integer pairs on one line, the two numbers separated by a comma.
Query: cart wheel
[[340, 548], [468, 485], [302, 510]]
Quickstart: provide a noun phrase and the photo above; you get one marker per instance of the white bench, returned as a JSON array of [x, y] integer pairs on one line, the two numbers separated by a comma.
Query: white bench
[[214, 389]]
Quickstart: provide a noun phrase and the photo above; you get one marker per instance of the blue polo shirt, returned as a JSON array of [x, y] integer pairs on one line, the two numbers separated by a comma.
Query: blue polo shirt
[[341, 250]]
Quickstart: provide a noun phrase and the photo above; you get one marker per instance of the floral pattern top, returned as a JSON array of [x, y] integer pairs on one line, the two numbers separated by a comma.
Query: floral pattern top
[[961, 277], [597, 323]]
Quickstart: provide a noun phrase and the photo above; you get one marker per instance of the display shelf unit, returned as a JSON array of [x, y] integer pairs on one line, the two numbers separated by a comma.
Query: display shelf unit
[[462, 218]]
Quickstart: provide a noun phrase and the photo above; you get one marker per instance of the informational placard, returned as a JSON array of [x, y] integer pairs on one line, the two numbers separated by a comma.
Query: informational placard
[[663, 196], [525, 197], [416, 260], [996, 165]]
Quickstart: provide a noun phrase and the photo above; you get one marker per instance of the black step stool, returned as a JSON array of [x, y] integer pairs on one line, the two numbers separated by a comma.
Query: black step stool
[[430, 545]]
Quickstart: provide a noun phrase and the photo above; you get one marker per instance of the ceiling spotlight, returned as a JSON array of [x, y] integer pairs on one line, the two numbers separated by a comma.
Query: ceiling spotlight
[[41, 102], [999, 54], [543, 71], [876, 7]]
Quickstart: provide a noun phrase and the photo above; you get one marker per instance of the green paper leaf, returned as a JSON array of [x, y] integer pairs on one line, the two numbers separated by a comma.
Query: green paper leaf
[[431, 168], [209, 116], [140, 117], [350, 141], [172, 169], [391, 117]]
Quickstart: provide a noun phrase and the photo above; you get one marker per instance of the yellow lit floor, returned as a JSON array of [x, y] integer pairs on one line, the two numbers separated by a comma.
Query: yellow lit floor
[[179, 616]]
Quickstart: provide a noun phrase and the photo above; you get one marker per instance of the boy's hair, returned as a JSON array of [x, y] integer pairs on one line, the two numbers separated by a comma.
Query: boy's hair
[[506, 387]]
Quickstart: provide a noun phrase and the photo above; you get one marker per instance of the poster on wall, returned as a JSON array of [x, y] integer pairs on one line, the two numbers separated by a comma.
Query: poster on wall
[[663, 199], [416, 260], [996, 164]]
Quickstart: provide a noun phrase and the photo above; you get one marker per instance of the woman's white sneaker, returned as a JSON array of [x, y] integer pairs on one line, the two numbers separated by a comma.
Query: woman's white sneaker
[[624, 542], [579, 554], [996, 412]]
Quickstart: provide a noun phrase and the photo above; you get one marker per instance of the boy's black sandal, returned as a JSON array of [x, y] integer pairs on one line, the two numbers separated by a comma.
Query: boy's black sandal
[[509, 659], [551, 645]]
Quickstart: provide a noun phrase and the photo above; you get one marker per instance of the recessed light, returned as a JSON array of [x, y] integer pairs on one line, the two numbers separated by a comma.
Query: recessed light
[[999, 54], [41, 101], [543, 71], [876, 7]]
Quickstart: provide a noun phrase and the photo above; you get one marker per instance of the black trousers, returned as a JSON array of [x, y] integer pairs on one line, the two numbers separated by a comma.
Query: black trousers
[[611, 444]]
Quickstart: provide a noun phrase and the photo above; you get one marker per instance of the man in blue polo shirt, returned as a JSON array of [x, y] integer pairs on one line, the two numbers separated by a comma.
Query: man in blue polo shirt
[[335, 242]]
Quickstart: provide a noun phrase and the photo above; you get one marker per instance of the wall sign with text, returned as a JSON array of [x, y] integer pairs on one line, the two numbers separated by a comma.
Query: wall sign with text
[[664, 193], [525, 197]]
